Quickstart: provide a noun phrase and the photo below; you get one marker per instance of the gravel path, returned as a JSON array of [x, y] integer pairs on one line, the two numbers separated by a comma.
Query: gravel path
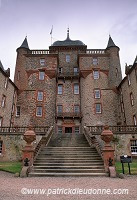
[[10, 187]]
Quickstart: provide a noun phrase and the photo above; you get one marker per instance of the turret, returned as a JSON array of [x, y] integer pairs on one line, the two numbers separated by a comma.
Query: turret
[[115, 75], [20, 77]]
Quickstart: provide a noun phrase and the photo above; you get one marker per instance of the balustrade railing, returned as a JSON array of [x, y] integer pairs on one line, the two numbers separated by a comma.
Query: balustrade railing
[[95, 51], [22, 130], [115, 129]]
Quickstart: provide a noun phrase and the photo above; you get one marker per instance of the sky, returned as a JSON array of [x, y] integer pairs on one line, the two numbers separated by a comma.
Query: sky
[[90, 21]]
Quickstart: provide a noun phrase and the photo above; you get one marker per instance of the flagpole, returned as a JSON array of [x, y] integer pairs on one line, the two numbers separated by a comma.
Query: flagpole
[[51, 34]]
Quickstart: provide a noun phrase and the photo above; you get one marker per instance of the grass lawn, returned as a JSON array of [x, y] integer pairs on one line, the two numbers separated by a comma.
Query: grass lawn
[[12, 167], [133, 167]]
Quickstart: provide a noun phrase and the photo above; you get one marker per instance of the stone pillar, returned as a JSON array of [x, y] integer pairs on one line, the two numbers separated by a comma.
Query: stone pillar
[[108, 151], [28, 151]]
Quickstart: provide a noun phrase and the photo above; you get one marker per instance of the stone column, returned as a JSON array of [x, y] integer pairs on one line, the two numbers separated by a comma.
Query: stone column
[[108, 151], [28, 151]]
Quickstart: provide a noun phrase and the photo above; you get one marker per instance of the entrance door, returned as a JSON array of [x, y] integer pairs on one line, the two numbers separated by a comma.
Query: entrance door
[[68, 129]]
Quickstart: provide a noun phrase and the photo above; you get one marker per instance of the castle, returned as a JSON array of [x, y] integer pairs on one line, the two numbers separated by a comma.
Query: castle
[[68, 86]]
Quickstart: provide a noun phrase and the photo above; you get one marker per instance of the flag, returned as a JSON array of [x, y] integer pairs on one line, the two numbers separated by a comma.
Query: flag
[[51, 30]]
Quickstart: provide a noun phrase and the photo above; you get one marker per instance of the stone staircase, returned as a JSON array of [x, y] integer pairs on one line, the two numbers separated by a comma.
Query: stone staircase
[[68, 155]]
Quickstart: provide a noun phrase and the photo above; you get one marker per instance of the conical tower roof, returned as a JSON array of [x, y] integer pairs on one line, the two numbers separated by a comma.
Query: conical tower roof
[[24, 44], [111, 43]]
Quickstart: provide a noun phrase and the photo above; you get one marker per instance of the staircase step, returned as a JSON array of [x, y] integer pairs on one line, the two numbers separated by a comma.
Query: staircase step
[[69, 167], [68, 163], [67, 174]]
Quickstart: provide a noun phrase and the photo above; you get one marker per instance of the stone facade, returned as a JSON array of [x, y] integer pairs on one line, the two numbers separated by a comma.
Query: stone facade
[[128, 96], [8, 98], [68, 86]]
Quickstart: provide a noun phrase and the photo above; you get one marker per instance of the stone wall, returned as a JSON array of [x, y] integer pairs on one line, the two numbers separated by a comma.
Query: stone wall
[[9, 90], [12, 146]]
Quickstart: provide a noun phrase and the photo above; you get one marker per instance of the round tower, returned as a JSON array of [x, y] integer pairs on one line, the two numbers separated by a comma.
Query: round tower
[[20, 76], [115, 75]]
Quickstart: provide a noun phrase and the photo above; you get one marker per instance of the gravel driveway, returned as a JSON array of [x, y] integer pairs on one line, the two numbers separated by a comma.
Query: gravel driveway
[[11, 187]]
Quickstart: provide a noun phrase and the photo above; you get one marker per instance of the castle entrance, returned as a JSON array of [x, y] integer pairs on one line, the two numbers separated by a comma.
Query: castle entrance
[[68, 129]]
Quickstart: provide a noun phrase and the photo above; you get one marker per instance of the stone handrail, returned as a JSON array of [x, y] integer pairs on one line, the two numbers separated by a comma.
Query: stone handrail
[[96, 130], [43, 142], [41, 130], [94, 140]]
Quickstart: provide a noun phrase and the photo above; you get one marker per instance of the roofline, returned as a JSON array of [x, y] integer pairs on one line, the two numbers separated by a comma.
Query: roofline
[[4, 73]]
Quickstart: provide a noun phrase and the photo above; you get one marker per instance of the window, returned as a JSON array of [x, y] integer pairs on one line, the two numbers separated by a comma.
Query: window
[[76, 70], [77, 129], [133, 146], [76, 108], [60, 70], [6, 83], [42, 61], [39, 111], [59, 129], [76, 88], [1, 119], [1, 147], [3, 101], [129, 82], [40, 96], [41, 75], [131, 99], [67, 58], [96, 74], [60, 89], [135, 120], [97, 93], [95, 61], [17, 111], [98, 107], [122, 107], [59, 108]]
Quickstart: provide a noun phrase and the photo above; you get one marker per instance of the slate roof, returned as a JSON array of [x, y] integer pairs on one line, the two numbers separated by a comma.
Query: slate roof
[[25, 44], [1, 66], [68, 42], [111, 43]]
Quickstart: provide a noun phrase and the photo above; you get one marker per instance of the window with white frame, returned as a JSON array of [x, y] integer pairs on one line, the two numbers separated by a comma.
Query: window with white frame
[[135, 120], [59, 129], [98, 107], [96, 74], [76, 70], [41, 75], [97, 93], [133, 146], [42, 61], [1, 146], [60, 89], [39, 111], [3, 101], [76, 108], [77, 129], [17, 111], [95, 61], [129, 81], [122, 107], [67, 58], [59, 108], [76, 88], [40, 96], [1, 119], [131, 99]]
